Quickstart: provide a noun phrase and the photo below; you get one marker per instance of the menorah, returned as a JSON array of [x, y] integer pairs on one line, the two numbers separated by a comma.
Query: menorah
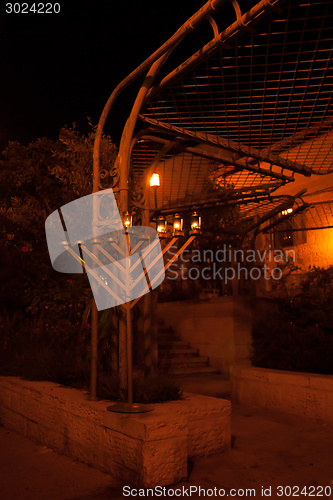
[[122, 262], [148, 260]]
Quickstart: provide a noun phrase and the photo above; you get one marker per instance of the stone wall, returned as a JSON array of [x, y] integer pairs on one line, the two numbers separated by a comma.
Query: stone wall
[[219, 328], [146, 449], [304, 394], [317, 251], [312, 248]]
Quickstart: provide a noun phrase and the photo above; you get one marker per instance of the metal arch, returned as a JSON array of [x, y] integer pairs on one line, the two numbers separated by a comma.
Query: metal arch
[[162, 152], [166, 147], [238, 153], [295, 212], [222, 40], [200, 150], [275, 211], [153, 62], [239, 18], [170, 44], [279, 137], [314, 225], [213, 24], [213, 202], [272, 213], [127, 135]]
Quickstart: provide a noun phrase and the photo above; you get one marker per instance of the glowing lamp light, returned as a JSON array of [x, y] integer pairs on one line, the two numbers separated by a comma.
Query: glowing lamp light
[[127, 219], [195, 223], [177, 225], [161, 226], [288, 211], [155, 180]]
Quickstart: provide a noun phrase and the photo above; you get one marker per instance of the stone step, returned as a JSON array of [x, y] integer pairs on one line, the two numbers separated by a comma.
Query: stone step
[[190, 370], [178, 357], [164, 329], [173, 344], [167, 335], [197, 360], [207, 384], [188, 351]]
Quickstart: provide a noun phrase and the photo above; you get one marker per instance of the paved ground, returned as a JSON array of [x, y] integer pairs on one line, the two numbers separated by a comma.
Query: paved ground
[[269, 449], [207, 384]]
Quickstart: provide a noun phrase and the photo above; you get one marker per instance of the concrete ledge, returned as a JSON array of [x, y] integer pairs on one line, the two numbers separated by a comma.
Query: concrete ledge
[[304, 394], [146, 449]]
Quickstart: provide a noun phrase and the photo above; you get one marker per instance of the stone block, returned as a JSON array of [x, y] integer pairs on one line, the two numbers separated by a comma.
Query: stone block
[[144, 450], [304, 394], [164, 461], [208, 435]]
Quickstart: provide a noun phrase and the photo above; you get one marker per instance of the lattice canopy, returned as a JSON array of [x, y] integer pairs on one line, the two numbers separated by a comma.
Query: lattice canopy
[[237, 120]]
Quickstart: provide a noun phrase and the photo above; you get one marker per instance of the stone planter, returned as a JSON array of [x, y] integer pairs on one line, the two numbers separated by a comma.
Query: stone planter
[[304, 394], [146, 449]]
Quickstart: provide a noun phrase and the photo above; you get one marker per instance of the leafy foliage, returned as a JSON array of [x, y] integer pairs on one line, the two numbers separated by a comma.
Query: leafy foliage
[[300, 335], [37, 179], [156, 389], [34, 350], [44, 315]]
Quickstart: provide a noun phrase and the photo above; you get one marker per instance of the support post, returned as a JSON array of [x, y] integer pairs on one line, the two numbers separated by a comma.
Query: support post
[[94, 354], [129, 354]]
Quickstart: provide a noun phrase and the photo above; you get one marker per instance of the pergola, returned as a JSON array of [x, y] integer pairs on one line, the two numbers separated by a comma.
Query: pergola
[[237, 119], [233, 122]]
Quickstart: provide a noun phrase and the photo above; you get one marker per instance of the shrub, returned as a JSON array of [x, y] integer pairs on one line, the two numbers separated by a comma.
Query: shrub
[[156, 389], [300, 336], [32, 350]]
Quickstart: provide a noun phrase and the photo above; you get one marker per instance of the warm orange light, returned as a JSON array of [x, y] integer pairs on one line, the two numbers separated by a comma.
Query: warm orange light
[[288, 211], [195, 223], [127, 219], [161, 226], [177, 225], [155, 180]]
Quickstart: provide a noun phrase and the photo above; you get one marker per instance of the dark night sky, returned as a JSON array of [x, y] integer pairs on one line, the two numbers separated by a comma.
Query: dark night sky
[[61, 68]]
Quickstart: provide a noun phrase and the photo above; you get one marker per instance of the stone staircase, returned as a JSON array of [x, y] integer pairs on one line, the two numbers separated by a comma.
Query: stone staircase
[[177, 357]]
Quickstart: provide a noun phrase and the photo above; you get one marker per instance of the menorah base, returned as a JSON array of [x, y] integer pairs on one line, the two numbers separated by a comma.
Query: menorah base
[[130, 408]]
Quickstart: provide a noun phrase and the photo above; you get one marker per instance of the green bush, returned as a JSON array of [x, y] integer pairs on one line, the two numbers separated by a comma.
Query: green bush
[[156, 389], [60, 353], [300, 336], [32, 350]]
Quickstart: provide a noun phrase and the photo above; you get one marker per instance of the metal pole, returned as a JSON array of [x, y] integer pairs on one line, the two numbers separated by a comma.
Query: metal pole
[[94, 354], [153, 62], [123, 162], [129, 353], [94, 320]]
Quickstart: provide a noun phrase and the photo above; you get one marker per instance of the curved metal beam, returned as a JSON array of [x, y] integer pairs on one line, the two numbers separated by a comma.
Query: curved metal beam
[[187, 27], [223, 38]]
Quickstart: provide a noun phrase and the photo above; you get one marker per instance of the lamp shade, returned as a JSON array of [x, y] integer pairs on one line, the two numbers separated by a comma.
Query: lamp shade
[[155, 180], [195, 223], [161, 226], [177, 225], [127, 219]]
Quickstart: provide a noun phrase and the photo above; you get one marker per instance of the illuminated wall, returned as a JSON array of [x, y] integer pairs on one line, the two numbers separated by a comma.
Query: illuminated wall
[[317, 251]]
